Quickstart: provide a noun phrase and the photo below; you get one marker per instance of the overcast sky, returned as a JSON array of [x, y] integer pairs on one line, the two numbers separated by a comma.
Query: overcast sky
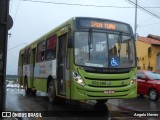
[[33, 19]]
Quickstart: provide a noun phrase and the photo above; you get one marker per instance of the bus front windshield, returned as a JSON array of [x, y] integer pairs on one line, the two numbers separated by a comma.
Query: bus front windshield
[[104, 50]]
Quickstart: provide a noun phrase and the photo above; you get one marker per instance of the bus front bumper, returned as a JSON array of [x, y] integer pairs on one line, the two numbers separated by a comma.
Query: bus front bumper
[[96, 93]]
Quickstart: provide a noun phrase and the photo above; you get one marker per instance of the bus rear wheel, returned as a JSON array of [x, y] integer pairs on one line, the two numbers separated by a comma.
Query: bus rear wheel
[[27, 90], [52, 92]]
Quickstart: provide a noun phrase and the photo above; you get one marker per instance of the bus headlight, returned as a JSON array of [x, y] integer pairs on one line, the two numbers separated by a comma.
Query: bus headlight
[[78, 78], [133, 80]]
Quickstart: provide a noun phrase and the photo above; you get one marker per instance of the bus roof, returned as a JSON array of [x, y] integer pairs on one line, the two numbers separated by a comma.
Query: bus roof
[[65, 24]]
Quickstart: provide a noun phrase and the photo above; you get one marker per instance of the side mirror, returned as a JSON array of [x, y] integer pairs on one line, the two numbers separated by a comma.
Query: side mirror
[[70, 42]]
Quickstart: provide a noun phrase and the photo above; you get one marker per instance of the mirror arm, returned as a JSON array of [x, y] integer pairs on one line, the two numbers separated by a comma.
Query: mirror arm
[[70, 38]]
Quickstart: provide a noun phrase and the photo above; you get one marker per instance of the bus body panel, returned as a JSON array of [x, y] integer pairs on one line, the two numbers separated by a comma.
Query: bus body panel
[[45, 69], [103, 86], [42, 71]]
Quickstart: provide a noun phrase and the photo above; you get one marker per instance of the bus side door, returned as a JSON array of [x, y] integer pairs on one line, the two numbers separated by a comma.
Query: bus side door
[[62, 40]]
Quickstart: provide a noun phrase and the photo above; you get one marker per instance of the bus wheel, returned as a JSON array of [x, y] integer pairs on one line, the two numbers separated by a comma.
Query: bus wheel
[[153, 95], [102, 101], [51, 92]]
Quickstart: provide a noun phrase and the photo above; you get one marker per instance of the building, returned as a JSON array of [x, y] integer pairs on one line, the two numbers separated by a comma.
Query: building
[[148, 52]]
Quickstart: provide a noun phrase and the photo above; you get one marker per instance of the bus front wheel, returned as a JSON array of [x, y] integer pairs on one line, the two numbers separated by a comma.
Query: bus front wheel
[[51, 92]]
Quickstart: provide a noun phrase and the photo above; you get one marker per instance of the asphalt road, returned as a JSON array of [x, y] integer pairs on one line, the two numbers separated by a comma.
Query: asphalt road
[[115, 109]]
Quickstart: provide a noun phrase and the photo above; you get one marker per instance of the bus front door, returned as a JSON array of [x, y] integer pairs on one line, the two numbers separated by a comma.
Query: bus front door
[[61, 64]]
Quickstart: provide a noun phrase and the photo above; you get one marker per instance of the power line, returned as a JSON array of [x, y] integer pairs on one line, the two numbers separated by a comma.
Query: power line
[[17, 46], [149, 24], [15, 15], [71, 4], [11, 3], [145, 10], [17, 10], [146, 4]]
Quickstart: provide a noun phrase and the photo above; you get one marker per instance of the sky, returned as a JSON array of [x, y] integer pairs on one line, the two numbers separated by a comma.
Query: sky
[[34, 19]]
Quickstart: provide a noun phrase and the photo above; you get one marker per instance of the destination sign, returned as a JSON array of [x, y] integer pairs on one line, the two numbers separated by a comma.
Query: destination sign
[[102, 24]]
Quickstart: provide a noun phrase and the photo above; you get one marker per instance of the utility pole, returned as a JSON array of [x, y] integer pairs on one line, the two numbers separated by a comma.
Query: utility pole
[[5, 24], [135, 26]]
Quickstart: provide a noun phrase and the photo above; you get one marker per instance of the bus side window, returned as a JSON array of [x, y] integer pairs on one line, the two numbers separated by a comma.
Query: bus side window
[[41, 51], [42, 56], [50, 53]]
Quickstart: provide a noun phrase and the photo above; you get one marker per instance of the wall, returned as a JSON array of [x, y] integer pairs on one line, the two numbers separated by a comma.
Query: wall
[[144, 58]]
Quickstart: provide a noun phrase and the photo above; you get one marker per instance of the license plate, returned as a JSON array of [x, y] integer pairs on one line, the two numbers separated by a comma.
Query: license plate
[[109, 91], [99, 83]]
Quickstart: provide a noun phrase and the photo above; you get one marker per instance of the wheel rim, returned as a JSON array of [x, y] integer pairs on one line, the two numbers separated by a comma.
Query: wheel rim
[[153, 95]]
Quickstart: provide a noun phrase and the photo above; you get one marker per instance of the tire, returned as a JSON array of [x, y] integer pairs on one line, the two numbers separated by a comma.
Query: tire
[[102, 101], [52, 92], [153, 95]]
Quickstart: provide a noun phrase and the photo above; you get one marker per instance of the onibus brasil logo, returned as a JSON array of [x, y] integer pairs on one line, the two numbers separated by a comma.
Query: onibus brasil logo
[[21, 114]]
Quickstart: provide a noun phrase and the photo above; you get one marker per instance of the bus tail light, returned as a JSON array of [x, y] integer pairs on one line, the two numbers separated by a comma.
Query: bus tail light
[[78, 78]]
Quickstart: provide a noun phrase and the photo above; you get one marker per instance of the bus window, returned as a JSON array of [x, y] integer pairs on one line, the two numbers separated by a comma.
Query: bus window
[[41, 51], [27, 56], [50, 53], [113, 44]]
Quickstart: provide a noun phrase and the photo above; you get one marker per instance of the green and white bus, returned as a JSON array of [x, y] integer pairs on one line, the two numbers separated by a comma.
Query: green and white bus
[[82, 59]]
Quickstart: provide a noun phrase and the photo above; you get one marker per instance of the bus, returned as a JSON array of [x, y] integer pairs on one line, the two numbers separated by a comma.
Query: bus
[[82, 59]]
